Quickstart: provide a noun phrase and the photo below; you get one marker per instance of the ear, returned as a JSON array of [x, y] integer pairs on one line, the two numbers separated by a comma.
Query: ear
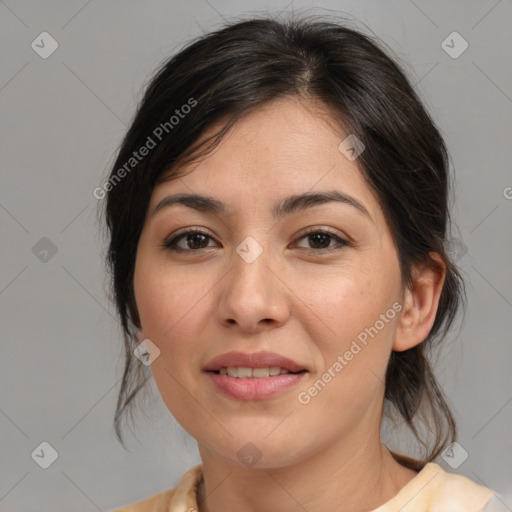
[[420, 304], [140, 335]]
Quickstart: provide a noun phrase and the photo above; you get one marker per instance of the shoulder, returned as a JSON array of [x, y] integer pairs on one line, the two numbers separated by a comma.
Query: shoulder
[[181, 498], [157, 503], [435, 490], [457, 493]]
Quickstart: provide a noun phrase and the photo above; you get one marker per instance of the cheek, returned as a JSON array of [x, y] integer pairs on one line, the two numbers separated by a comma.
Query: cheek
[[344, 305], [352, 321], [170, 301], [173, 309]]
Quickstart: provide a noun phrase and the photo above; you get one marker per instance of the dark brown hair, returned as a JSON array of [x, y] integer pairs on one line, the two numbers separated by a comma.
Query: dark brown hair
[[225, 75]]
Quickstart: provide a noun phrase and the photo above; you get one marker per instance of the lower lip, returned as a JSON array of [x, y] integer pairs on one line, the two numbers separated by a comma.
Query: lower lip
[[255, 389]]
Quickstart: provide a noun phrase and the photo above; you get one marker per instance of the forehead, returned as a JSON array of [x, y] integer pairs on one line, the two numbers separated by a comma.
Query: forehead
[[287, 146]]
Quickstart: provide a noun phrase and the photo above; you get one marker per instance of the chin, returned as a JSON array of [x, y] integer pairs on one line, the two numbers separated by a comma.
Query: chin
[[259, 452]]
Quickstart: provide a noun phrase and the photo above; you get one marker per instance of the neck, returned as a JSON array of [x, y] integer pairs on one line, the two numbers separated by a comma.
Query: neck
[[353, 476]]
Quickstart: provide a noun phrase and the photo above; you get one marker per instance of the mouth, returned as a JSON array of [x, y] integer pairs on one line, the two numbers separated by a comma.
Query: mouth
[[245, 361], [256, 376], [242, 372]]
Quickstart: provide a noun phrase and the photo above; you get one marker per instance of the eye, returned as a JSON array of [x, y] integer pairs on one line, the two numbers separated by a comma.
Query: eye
[[190, 240], [319, 240], [194, 240]]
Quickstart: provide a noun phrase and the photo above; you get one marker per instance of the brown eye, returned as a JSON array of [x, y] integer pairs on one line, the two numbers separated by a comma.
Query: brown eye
[[191, 240], [194, 240], [320, 240]]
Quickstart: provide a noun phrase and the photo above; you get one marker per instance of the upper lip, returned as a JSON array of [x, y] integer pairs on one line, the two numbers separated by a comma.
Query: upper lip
[[252, 360]]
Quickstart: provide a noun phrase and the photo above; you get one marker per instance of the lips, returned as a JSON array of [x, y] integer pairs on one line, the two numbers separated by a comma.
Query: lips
[[233, 374], [253, 360]]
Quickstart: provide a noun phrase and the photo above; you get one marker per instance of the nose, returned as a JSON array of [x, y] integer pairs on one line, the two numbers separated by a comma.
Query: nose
[[253, 296]]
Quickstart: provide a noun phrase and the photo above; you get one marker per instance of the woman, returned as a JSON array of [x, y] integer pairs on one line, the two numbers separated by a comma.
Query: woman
[[278, 230]]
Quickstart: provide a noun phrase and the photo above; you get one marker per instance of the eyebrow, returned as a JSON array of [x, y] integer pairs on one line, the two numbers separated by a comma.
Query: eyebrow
[[287, 206]]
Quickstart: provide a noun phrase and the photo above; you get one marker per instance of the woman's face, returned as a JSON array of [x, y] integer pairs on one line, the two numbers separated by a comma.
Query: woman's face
[[264, 278]]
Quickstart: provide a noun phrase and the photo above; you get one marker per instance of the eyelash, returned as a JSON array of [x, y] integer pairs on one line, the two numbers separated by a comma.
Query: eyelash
[[171, 242]]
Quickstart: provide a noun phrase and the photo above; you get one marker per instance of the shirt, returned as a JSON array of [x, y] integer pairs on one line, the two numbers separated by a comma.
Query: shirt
[[431, 490]]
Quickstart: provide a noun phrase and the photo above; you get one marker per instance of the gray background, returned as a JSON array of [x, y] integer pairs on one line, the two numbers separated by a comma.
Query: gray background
[[63, 118]]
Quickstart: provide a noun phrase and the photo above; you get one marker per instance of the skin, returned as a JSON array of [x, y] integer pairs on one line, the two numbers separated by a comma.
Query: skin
[[326, 455]]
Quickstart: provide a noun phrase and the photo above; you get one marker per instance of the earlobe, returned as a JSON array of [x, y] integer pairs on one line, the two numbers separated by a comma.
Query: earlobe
[[421, 301], [140, 335]]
